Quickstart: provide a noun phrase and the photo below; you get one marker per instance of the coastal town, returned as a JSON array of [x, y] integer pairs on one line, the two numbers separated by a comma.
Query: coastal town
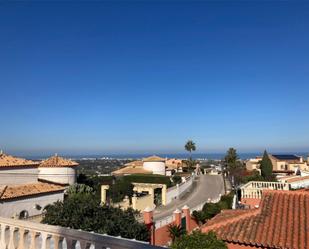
[[169, 197], [149, 124]]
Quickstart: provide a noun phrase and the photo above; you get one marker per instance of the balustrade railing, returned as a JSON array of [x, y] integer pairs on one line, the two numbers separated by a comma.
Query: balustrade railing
[[20, 234], [254, 189]]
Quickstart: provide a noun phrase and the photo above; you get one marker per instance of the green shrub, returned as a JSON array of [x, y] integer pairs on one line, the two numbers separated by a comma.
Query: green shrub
[[198, 240], [120, 189], [160, 179], [176, 179], [83, 211]]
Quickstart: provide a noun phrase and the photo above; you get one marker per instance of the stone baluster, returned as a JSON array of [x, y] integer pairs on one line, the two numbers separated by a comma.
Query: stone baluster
[[70, 243], [22, 233], [45, 241], [2, 242], [57, 241], [33, 241], [11, 240], [84, 244]]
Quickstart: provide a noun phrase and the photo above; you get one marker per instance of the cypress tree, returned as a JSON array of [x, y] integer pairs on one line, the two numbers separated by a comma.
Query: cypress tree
[[266, 166]]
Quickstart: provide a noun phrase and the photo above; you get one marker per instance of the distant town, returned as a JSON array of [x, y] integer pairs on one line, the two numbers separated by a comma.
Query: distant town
[[166, 199]]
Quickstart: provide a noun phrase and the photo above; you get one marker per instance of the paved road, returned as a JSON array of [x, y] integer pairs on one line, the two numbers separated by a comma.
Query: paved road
[[204, 187]]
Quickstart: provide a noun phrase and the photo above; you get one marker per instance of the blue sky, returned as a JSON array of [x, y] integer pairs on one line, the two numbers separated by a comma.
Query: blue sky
[[126, 77]]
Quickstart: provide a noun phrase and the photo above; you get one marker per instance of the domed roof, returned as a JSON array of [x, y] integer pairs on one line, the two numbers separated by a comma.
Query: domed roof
[[154, 159], [57, 161], [10, 161]]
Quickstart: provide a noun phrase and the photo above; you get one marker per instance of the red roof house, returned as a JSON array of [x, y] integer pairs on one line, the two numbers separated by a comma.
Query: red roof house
[[281, 221]]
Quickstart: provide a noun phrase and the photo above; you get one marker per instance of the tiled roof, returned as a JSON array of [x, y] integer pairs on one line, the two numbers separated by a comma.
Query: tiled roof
[[57, 161], [282, 221], [154, 159], [10, 161], [297, 179], [131, 170], [135, 163], [23, 190]]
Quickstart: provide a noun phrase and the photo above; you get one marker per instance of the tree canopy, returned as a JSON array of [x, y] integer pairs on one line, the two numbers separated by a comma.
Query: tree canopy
[[176, 231], [234, 166], [83, 211], [190, 146], [210, 210], [79, 189], [231, 159], [198, 240], [266, 166]]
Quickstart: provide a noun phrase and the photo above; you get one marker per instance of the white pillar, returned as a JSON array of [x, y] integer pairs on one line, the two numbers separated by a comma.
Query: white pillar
[[33, 240], [2, 242], [21, 244], [70, 243], [11, 241], [84, 244], [45, 240], [57, 242]]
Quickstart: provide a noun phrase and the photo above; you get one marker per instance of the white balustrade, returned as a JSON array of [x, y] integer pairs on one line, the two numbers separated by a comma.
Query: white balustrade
[[254, 189], [20, 234]]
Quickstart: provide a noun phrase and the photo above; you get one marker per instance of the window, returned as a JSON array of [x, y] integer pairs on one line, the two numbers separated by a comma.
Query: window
[[23, 214]]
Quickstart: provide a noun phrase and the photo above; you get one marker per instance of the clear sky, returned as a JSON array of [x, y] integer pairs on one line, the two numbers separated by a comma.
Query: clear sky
[[125, 77]]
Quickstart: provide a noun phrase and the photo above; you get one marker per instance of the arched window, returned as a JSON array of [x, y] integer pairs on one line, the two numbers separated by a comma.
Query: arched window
[[23, 214]]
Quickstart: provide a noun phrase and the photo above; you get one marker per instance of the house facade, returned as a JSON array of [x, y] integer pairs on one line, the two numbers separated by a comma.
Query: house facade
[[27, 187], [288, 162]]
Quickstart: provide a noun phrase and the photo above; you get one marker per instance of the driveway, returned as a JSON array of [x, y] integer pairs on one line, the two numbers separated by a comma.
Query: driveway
[[204, 187]]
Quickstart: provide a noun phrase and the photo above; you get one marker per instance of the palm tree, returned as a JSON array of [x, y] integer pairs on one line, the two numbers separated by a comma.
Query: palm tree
[[190, 146], [176, 231]]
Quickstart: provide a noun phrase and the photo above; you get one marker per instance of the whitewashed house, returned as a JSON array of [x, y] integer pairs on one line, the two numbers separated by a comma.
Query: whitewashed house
[[26, 187]]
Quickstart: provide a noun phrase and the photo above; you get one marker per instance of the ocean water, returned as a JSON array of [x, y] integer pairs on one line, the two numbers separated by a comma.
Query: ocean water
[[213, 156]]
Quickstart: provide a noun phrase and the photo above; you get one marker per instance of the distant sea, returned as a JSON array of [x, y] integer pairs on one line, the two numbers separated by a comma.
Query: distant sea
[[212, 156]]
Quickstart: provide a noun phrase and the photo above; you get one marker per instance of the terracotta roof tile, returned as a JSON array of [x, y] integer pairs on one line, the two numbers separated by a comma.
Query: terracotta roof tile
[[154, 159], [57, 161], [296, 179], [131, 170], [10, 161], [135, 163], [14, 191], [282, 221]]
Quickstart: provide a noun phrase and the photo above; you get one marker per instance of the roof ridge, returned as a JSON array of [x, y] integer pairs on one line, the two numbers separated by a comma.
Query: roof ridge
[[3, 190], [237, 217]]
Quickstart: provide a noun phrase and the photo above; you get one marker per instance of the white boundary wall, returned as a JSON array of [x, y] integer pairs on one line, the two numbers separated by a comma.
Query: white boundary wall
[[169, 219], [179, 190]]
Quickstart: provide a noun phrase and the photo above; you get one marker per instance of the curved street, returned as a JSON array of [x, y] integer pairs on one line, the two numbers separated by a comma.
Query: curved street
[[204, 187]]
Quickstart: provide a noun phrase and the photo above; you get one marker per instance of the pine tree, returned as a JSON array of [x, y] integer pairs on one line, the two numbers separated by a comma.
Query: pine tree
[[266, 166]]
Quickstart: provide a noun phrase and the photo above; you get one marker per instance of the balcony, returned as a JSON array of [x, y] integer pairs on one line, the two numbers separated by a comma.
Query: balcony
[[20, 234], [254, 189]]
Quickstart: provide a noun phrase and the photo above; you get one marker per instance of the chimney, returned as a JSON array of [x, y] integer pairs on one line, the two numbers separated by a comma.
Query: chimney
[[148, 215], [177, 217], [148, 220], [186, 211]]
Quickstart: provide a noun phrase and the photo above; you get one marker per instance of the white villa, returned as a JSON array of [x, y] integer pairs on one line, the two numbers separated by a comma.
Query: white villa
[[26, 187], [151, 165]]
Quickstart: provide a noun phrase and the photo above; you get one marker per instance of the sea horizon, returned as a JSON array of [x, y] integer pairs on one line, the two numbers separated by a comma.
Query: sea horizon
[[122, 156]]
